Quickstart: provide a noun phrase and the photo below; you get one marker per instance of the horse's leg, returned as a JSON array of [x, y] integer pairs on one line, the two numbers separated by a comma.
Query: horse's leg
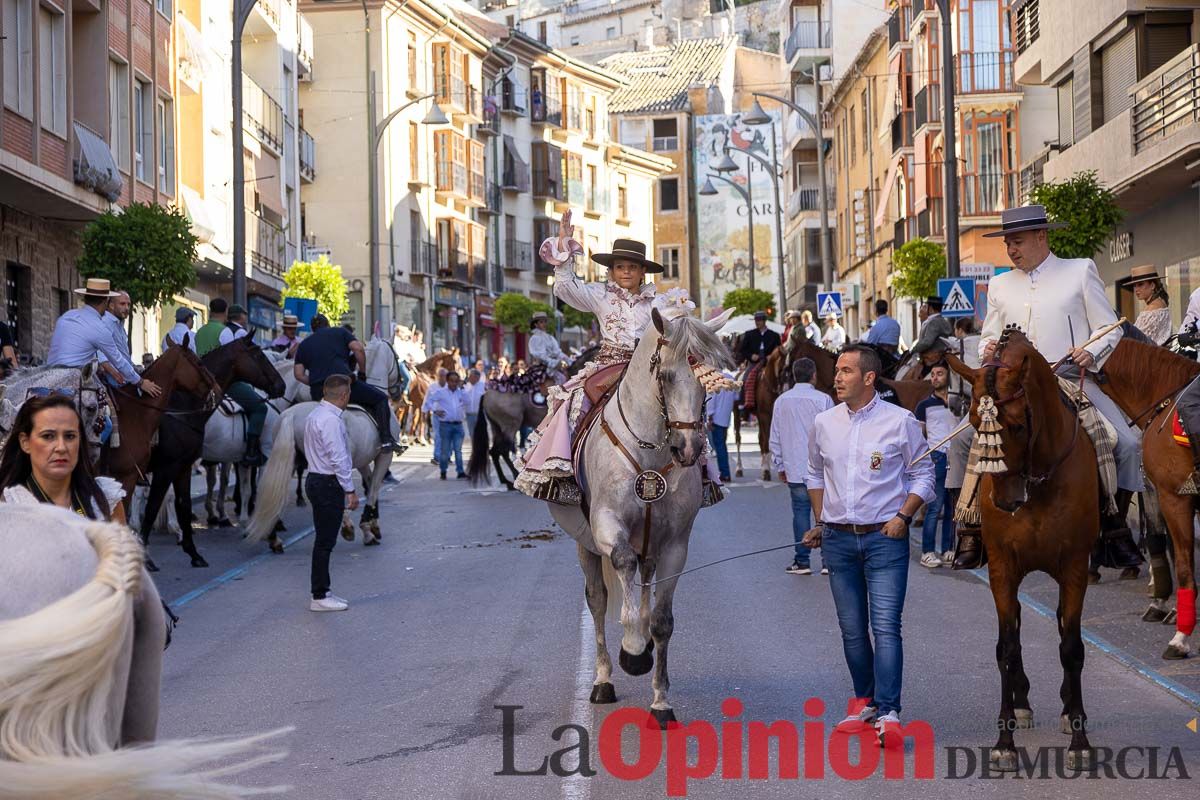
[[1157, 541], [243, 484], [210, 501], [764, 444], [635, 657], [159, 481], [372, 483], [597, 599], [239, 505], [1003, 756], [299, 486], [181, 481], [671, 560], [1071, 590], [737, 439], [1179, 512]]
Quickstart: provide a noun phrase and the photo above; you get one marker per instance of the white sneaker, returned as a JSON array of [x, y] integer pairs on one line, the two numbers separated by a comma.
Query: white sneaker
[[853, 723], [948, 557], [328, 603], [931, 560], [332, 596], [887, 730], [824, 570]]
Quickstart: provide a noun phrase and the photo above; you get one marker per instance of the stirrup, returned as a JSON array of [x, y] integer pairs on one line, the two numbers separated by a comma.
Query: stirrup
[[563, 491], [711, 493]]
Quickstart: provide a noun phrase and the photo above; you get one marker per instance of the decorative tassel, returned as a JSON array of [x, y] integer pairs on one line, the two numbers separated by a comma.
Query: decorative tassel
[[988, 423]]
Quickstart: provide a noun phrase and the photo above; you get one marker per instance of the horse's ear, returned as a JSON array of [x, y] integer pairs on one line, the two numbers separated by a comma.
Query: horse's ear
[[3, 388], [186, 338], [660, 324], [88, 371], [962, 369], [716, 323]]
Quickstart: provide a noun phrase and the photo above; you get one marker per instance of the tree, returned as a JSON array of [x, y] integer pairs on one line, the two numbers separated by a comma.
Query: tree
[[574, 318], [146, 250], [747, 301], [318, 280], [517, 310], [1088, 208], [918, 265]]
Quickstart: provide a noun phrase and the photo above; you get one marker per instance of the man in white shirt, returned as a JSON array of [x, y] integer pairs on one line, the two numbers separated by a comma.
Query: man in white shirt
[[810, 328], [329, 484], [791, 425], [235, 325], [544, 348], [450, 410], [834, 337], [720, 413], [473, 396], [185, 318], [937, 422], [865, 488], [427, 407]]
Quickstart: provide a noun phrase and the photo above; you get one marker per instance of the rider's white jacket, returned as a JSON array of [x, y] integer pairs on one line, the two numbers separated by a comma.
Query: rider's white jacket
[[544, 348], [622, 315]]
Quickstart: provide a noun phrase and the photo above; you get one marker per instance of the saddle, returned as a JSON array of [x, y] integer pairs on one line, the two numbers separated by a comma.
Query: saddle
[[598, 384]]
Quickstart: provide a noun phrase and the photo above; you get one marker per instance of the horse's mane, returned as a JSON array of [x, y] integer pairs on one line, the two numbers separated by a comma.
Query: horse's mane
[[1154, 365], [691, 338]]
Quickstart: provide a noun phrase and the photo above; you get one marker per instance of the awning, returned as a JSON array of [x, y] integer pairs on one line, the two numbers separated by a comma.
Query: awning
[[892, 101], [95, 167], [204, 227], [521, 172], [886, 192]]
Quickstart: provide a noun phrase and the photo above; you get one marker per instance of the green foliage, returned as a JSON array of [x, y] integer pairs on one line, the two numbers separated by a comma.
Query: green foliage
[[146, 250], [574, 318], [919, 263], [1089, 209], [747, 301], [516, 311], [318, 280]]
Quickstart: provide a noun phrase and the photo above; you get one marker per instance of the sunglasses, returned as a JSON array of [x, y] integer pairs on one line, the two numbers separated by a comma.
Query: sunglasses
[[46, 391]]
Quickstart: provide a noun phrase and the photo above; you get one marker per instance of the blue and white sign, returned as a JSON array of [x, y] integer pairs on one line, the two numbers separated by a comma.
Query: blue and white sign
[[958, 297], [829, 303]]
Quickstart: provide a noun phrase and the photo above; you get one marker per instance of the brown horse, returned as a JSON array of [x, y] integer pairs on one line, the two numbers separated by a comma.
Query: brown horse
[[909, 393], [1040, 508], [413, 422], [1144, 380]]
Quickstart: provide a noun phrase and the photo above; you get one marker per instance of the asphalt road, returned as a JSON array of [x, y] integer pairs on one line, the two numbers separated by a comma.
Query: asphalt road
[[475, 600]]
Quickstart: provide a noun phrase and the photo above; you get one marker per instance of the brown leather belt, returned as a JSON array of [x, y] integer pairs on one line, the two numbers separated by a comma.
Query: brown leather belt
[[859, 529]]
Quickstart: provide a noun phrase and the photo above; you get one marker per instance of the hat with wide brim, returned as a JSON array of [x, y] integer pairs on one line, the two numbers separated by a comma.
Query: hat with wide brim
[[97, 287], [1025, 218], [627, 250], [291, 321], [539, 316], [1146, 272]]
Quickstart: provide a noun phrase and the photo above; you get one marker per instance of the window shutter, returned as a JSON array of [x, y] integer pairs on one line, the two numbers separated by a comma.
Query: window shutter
[[1164, 42], [1119, 69], [1082, 93], [1066, 114]]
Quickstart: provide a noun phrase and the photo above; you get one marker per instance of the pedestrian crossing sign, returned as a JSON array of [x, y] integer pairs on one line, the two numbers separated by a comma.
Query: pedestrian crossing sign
[[958, 297], [829, 303]]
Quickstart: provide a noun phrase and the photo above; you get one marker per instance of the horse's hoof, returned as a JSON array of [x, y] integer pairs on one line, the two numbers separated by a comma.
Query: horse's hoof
[[299, 502], [1003, 760], [1066, 727], [279, 526], [213, 522], [348, 534], [737, 473], [662, 718], [1079, 760], [199, 562], [1169, 619], [372, 542], [1173, 653], [150, 565], [1154, 615], [1024, 718], [639, 664], [225, 523], [603, 693]]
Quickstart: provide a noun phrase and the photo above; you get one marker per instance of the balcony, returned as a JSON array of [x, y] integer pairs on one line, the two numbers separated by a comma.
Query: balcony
[[514, 99], [518, 255], [902, 131], [984, 73], [264, 19], [262, 116], [1033, 173], [462, 100], [454, 265], [1027, 25], [304, 48], [898, 24], [308, 157], [491, 120], [266, 246], [809, 37], [423, 258], [545, 110], [927, 107], [547, 185], [1167, 102], [493, 200], [577, 10], [515, 178], [988, 194], [931, 223], [807, 198]]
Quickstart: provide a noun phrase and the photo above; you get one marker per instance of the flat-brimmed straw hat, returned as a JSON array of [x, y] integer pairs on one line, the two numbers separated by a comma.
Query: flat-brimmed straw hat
[[97, 287], [1025, 218], [1146, 272], [628, 250]]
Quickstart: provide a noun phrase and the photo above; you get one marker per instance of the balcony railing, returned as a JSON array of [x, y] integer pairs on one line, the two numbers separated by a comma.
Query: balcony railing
[[496, 278], [898, 25], [453, 264], [902, 131], [546, 110], [988, 194], [304, 44], [982, 73], [424, 258], [927, 106], [1027, 26], [515, 178], [491, 119], [808, 35], [492, 199], [518, 255], [263, 116], [807, 198], [265, 244], [932, 221], [1033, 174], [514, 98], [546, 184], [308, 157], [1167, 101]]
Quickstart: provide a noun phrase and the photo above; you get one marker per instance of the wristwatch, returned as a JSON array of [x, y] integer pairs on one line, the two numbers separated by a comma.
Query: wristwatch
[[907, 519]]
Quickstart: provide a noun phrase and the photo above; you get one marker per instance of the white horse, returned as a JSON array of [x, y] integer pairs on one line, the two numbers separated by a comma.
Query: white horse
[[80, 670], [225, 448], [371, 462], [657, 415]]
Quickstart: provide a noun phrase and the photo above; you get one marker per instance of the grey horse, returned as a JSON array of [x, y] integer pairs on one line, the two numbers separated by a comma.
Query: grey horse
[[82, 383], [657, 414]]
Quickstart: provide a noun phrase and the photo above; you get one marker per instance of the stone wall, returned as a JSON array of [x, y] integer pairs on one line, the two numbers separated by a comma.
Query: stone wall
[[40, 255]]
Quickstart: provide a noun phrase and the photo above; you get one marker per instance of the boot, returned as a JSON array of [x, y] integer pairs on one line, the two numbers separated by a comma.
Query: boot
[[1192, 484], [969, 552], [254, 455], [1116, 547]]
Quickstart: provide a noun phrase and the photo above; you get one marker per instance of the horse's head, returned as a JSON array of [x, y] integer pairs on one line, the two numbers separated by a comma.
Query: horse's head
[[680, 343], [251, 365], [182, 366]]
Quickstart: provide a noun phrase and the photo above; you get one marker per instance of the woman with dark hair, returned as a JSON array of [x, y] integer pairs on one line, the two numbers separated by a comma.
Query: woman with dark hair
[[1155, 319], [46, 460]]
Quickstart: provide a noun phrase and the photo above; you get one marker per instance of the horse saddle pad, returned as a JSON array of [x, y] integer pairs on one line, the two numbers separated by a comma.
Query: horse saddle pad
[[596, 385], [1177, 431]]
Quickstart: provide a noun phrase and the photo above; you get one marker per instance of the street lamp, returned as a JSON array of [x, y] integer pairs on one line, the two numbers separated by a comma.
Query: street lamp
[[241, 14], [772, 169], [949, 132], [708, 190]]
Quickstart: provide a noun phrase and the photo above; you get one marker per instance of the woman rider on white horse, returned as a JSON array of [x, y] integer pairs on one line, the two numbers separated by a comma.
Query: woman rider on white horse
[[622, 306]]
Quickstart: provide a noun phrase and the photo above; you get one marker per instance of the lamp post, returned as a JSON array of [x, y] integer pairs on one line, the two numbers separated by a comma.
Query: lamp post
[[708, 190], [950, 133], [772, 169], [241, 13]]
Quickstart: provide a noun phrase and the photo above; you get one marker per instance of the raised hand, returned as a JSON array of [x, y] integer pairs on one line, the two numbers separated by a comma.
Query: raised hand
[[561, 249], [565, 230]]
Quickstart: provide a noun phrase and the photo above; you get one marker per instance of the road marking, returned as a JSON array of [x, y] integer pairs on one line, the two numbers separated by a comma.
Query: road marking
[[1112, 651], [575, 786], [236, 572]]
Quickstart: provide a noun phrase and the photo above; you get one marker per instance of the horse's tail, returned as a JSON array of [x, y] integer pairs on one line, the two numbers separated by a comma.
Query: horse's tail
[[477, 467], [58, 670], [613, 584], [275, 479]]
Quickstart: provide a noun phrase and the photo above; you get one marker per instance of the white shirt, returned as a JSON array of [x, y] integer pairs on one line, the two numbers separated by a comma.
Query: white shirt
[[452, 402], [834, 338], [621, 315], [863, 461], [720, 404], [228, 334], [473, 394], [544, 348], [813, 333], [80, 335], [177, 333], [791, 426], [326, 446], [939, 422], [428, 404], [1192, 315]]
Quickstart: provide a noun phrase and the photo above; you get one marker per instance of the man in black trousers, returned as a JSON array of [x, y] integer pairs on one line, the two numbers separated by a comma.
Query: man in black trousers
[[329, 484]]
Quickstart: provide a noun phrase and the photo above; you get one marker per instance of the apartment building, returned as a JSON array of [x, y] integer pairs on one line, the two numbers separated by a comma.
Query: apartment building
[[88, 123], [1124, 77]]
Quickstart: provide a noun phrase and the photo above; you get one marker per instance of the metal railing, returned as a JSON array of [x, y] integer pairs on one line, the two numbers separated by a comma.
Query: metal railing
[[491, 120], [518, 255], [927, 106], [424, 258], [265, 245], [270, 10], [514, 98], [308, 156], [808, 35], [898, 24], [1033, 174], [545, 109], [932, 221], [262, 115], [516, 178], [987, 194], [1027, 26], [981, 73], [807, 198], [902, 131], [1167, 101]]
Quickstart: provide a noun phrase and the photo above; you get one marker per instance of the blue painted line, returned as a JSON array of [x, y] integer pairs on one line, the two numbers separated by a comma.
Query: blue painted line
[[1111, 650], [235, 573]]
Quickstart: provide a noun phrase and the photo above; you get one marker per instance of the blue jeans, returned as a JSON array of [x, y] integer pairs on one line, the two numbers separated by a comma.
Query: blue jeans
[[437, 437], [471, 420], [869, 577], [716, 440], [939, 503], [450, 440], [801, 520]]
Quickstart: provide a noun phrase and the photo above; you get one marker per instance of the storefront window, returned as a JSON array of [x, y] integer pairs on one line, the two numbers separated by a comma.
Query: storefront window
[[1183, 278]]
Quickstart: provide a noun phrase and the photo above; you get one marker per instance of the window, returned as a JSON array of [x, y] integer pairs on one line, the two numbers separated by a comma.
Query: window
[[622, 198], [414, 75], [632, 132], [118, 112], [510, 21], [669, 258], [164, 7], [18, 56], [668, 194], [1066, 113], [547, 171], [574, 41], [666, 134], [475, 154], [143, 130], [866, 119], [52, 49], [610, 33], [853, 151], [166, 147], [542, 31], [414, 151]]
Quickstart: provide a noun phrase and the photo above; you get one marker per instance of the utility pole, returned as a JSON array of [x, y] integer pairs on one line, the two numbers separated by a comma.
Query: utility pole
[[241, 13], [950, 131]]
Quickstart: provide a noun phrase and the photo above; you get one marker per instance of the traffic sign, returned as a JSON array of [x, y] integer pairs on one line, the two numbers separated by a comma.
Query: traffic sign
[[829, 303], [958, 297]]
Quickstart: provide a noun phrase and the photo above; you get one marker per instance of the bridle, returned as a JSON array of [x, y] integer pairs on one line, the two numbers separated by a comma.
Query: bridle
[[668, 424]]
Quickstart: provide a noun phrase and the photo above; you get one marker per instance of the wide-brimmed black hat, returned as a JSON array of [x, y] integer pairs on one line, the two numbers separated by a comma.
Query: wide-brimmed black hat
[[629, 250], [934, 301], [1025, 218]]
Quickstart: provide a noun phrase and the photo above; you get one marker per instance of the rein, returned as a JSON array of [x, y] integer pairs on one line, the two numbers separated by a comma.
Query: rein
[[655, 370], [1066, 453]]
